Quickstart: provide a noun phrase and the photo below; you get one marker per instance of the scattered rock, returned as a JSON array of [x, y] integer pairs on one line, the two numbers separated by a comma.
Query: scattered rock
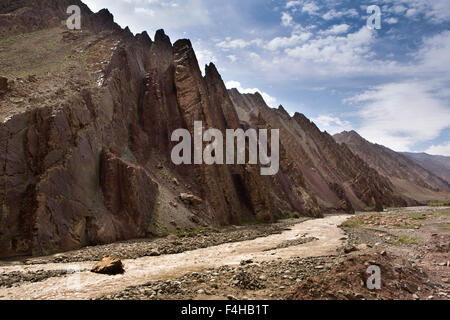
[[245, 262], [190, 199], [109, 266], [363, 246], [350, 249], [154, 253]]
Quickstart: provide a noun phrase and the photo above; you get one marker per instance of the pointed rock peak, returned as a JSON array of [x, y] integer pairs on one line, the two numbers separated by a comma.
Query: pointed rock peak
[[161, 37], [105, 14], [144, 37], [350, 134], [211, 71], [301, 117], [283, 110], [105, 21], [183, 43]]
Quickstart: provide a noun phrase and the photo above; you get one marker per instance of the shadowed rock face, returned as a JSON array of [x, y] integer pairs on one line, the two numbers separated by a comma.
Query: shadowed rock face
[[94, 166]]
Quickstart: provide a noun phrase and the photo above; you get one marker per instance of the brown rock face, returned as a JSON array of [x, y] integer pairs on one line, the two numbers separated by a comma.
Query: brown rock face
[[109, 266], [129, 195], [3, 84], [408, 178]]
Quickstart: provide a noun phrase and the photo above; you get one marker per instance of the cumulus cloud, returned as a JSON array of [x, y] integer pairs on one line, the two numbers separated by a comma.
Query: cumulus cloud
[[271, 101], [310, 7], [340, 50], [284, 42]]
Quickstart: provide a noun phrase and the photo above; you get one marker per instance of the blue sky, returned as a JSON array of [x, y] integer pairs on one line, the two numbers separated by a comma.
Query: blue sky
[[319, 58]]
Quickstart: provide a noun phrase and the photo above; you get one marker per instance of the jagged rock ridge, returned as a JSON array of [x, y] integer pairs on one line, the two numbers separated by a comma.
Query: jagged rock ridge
[[330, 174]]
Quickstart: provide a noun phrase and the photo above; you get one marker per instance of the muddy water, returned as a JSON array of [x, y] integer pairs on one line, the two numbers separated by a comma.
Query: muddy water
[[87, 285]]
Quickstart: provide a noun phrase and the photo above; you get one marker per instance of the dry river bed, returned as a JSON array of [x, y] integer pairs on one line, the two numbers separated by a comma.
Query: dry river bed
[[252, 262]]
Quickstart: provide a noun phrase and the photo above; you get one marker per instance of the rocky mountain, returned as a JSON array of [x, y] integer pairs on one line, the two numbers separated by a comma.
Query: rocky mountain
[[86, 120], [410, 179], [326, 173], [438, 165]]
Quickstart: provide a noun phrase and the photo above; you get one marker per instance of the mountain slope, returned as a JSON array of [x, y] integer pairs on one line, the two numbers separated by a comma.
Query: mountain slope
[[332, 174], [409, 178], [438, 165]]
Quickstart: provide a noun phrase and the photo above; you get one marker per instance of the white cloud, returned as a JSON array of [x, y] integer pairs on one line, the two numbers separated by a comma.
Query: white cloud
[[204, 57], [146, 11], [442, 149], [293, 4], [331, 124], [285, 42], [310, 7], [348, 50], [232, 58], [337, 29], [391, 20], [400, 115], [233, 44], [271, 101], [435, 53], [333, 14], [286, 19], [436, 11]]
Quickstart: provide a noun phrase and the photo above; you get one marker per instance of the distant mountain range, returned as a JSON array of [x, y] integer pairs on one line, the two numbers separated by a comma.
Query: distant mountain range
[[409, 173], [439, 165]]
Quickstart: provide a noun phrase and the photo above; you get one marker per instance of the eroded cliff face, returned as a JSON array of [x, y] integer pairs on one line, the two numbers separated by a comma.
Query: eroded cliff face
[[65, 182], [85, 142]]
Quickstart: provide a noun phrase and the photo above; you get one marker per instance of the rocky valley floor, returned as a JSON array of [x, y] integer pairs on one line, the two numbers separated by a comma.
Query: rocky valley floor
[[294, 259]]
